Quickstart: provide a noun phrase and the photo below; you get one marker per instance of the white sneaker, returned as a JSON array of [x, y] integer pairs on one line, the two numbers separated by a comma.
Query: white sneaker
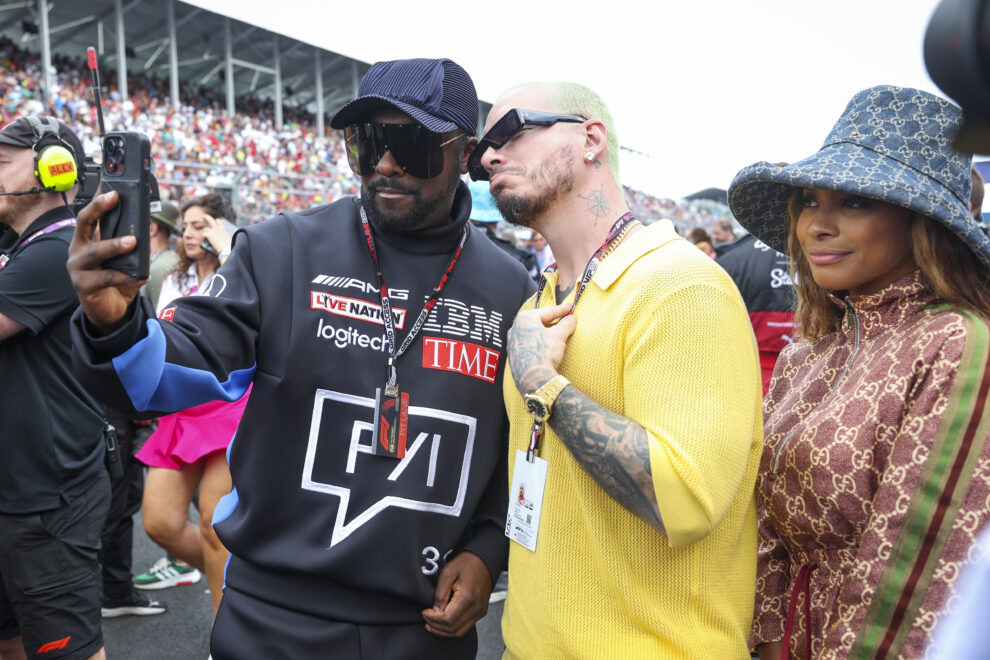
[[167, 572]]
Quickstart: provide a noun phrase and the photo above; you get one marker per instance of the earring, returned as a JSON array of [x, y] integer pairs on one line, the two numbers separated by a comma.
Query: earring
[[589, 156]]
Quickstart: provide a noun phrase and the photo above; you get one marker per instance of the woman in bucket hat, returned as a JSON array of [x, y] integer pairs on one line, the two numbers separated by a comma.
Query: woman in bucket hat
[[875, 478]]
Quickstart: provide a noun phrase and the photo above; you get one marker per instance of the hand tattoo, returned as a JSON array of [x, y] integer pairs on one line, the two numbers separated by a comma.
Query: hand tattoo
[[614, 450]]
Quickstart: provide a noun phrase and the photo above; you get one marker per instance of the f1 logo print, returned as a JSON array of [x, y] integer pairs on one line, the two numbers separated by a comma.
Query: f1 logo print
[[439, 440]]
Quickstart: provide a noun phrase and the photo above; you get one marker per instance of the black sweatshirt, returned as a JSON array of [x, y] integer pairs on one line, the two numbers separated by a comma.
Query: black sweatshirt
[[315, 522]]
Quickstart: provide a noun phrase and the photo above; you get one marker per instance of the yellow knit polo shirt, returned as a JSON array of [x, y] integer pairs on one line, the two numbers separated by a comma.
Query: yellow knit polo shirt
[[664, 339]]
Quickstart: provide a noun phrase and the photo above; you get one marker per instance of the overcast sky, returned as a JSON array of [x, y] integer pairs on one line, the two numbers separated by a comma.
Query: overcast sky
[[704, 87]]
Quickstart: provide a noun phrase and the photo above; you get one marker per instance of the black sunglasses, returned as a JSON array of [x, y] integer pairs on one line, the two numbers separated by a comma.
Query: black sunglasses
[[416, 149], [505, 128]]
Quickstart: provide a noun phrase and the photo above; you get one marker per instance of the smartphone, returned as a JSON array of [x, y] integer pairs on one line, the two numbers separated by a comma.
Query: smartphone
[[126, 168], [207, 247]]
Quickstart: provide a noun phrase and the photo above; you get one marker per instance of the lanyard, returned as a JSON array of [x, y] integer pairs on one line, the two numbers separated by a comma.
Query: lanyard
[[391, 385], [591, 268], [5, 258], [615, 233]]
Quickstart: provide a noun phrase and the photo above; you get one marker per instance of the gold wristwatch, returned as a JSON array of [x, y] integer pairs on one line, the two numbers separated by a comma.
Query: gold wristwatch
[[539, 404]]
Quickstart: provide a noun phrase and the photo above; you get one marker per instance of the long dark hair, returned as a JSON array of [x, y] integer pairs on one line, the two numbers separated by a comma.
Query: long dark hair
[[213, 204]]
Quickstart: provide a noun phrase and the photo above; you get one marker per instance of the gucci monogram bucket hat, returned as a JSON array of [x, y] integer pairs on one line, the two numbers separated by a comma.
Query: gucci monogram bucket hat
[[892, 144]]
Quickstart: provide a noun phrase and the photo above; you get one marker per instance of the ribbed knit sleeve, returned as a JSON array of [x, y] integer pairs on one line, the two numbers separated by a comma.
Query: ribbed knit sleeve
[[696, 342]]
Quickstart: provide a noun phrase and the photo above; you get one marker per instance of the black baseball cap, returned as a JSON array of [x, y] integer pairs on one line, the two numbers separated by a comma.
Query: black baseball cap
[[438, 94], [20, 133]]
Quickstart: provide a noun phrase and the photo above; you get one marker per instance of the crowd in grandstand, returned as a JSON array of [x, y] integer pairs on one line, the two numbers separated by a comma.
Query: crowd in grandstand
[[198, 147], [798, 253]]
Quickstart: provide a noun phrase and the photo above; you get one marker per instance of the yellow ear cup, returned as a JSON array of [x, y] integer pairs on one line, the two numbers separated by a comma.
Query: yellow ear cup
[[56, 168]]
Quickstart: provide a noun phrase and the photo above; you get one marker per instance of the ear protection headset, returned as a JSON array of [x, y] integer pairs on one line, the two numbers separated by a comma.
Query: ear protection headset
[[54, 164]]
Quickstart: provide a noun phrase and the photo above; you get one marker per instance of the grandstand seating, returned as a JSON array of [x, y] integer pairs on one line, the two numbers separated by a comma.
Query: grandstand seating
[[198, 147]]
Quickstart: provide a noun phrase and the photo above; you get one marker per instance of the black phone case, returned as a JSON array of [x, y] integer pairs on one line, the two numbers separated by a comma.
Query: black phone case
[[132, 215]]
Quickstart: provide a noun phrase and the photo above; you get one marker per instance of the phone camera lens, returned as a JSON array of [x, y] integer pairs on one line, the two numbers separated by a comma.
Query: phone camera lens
[[114, 152]]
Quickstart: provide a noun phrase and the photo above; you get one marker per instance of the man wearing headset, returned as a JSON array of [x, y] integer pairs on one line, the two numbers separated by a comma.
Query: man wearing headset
[[54, 489]]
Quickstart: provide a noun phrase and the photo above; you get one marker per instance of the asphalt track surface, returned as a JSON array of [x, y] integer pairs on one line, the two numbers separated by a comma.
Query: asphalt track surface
[[183, 632]]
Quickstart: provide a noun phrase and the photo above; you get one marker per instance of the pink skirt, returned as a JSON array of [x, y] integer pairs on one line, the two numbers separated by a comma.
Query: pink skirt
[[189, 435]]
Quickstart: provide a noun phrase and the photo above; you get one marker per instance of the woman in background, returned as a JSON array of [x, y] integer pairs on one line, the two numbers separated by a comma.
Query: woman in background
[[702, 241], [188, 450]]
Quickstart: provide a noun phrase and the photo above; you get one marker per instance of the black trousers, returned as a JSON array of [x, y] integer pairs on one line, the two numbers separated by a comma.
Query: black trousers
[[248, 627], [125, 499]]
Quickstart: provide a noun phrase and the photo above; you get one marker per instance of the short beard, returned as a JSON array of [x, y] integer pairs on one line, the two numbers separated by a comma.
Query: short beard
[[386, 218], [18, 207], [553, 177]]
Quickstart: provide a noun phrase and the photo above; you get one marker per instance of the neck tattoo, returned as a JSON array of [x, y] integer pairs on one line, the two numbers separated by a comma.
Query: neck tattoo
[[596, 203], [562, 293]]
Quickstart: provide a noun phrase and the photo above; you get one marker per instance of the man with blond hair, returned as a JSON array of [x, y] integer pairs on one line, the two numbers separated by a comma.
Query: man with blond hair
[[633, 454]]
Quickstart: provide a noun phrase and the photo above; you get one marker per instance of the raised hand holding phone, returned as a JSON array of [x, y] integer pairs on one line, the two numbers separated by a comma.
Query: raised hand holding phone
[[126, 170], [216, 238], [104, 295]]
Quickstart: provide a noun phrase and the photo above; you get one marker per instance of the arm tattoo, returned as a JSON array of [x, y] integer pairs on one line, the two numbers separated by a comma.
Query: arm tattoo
[[529, 369], [597, 204], [614, 450]]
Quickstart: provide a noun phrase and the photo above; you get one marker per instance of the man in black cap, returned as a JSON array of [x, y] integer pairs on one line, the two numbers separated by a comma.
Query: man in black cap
[[369, 468], [164, 224], [54, 490]]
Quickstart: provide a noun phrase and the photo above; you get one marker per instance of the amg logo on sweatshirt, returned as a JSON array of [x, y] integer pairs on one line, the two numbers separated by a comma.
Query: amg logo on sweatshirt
[[344, 282]]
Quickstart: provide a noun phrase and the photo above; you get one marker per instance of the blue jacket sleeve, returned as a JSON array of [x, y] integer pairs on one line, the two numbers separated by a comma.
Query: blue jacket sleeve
[[204, 351]]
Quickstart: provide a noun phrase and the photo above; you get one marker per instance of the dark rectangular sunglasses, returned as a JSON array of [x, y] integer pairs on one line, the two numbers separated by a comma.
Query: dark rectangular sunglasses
[[417, 150], [505, 128]]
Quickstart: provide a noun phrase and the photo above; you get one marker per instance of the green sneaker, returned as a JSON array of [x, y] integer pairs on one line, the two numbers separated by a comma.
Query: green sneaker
[[167, 572]]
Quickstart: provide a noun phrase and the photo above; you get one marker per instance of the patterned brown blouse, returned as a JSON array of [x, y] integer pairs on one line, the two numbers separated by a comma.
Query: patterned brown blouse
[[875, 477]]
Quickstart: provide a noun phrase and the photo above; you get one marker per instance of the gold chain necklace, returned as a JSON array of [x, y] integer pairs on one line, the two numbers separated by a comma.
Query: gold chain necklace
[[619, 238]]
